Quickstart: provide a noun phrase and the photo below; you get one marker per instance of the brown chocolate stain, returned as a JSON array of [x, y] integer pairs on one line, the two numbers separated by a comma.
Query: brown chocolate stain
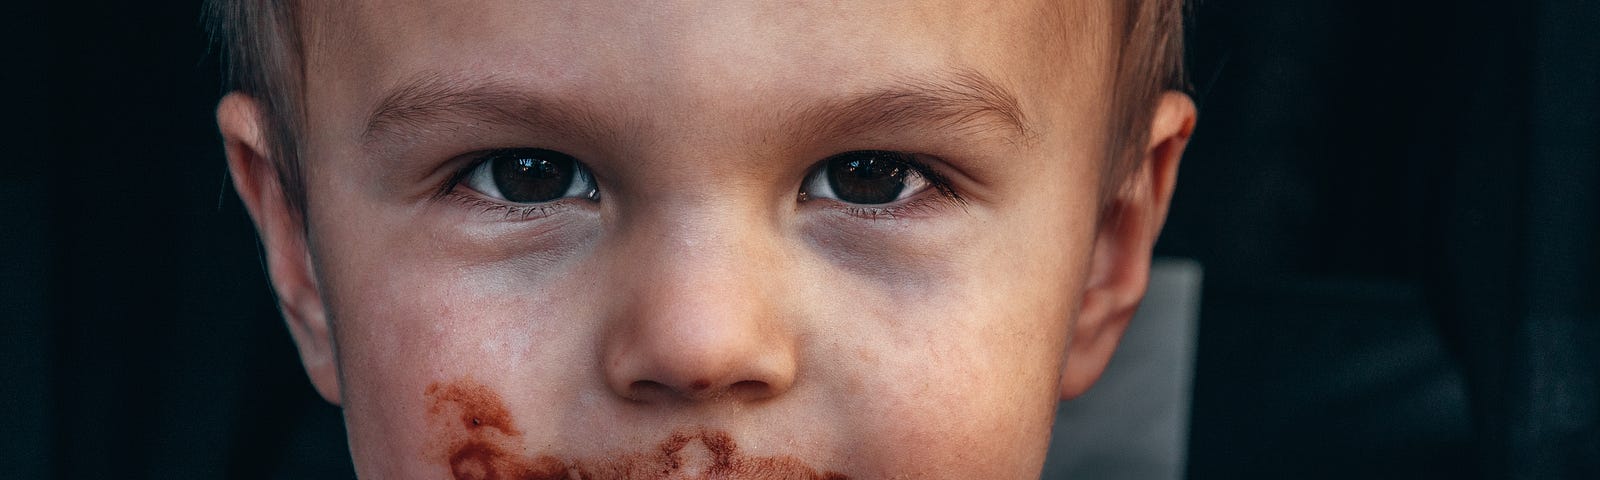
[[478, 440]]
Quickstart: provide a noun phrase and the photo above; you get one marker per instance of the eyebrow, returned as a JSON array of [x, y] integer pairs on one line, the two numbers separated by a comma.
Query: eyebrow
[[964, 101], [959, 101], [426, 103]]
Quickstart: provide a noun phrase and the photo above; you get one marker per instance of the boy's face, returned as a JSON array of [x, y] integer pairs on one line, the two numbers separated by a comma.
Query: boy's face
[[698, 285]]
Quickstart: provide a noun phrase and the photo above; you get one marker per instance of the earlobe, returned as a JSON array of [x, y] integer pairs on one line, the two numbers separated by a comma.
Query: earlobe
[[1129, 224], [289, 266]]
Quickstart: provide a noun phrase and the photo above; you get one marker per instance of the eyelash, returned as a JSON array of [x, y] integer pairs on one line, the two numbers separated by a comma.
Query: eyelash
[[911, 209], [943, 195], [508, 211]]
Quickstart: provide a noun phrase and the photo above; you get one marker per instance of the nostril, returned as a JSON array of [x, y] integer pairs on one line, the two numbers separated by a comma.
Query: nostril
[[647, 390], [652, 391]]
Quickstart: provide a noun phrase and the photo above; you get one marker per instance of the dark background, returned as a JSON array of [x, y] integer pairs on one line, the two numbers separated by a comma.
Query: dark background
[[1397, 205]]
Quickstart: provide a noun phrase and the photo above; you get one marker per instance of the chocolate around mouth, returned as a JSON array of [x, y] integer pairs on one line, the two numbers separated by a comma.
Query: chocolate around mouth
[[479, 441]]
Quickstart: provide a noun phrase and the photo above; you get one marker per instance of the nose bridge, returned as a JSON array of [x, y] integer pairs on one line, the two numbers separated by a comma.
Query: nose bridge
[[701, 318], [712, 275], [706, 232], [703, 239]]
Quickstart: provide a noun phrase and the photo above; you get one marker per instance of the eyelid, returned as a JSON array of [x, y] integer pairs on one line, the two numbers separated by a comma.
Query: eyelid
[[473, 162], [921, 205], [509, 211]]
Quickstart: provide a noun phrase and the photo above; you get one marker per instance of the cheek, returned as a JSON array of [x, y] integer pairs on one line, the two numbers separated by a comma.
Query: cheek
[[956, 341], [450, 318], [971, 377], [405, 316], [439, 291]]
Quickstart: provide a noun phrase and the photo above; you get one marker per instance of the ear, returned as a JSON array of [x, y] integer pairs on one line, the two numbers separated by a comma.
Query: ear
[[255, 176], [1129, 224]]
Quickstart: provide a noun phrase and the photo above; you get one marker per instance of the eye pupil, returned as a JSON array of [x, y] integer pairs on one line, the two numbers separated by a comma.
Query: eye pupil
[[533, 175], [868, 177]]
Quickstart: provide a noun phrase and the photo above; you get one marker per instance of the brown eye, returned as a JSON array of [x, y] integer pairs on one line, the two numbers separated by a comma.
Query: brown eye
[[531, 175], [867, 177]]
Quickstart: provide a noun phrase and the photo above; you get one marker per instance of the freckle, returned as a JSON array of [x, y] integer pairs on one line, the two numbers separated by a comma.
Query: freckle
[[701, 384]]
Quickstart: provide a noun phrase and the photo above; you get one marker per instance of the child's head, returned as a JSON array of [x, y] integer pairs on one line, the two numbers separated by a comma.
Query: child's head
[[681, 239]]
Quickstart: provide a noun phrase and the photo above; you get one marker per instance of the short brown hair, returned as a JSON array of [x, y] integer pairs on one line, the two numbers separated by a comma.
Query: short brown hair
[[263, 56], [1149, 63]]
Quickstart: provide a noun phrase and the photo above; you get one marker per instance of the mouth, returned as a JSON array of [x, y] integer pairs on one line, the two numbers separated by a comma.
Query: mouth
[[482, 442]]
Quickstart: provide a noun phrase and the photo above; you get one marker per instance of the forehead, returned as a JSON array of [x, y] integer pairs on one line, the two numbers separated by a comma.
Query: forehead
[[706, 53]]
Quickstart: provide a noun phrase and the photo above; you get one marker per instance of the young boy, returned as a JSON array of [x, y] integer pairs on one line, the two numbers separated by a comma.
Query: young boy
[[626, 240]]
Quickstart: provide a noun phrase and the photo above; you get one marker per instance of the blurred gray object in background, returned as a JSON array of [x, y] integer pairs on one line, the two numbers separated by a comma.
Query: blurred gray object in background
[[1134, 422]]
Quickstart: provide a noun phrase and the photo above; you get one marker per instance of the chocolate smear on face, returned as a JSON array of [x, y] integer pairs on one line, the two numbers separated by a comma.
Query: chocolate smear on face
[[478, 440], [481, 441]]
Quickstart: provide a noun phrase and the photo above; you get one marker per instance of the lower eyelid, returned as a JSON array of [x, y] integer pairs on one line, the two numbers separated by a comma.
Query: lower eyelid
[[921, 206], [505, 211]]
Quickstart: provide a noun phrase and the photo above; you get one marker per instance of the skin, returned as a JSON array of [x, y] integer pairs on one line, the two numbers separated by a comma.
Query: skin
[[700, 293]]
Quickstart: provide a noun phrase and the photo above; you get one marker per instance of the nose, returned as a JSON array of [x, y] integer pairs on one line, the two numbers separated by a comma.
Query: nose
[[702, 320]]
